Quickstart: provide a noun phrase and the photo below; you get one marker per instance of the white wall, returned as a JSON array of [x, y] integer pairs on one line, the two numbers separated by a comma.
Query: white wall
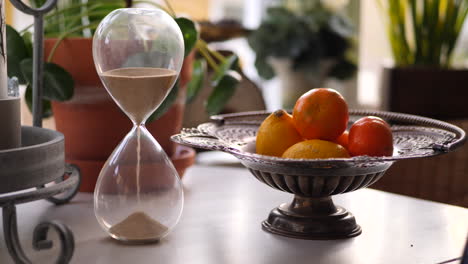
[[374, 51]]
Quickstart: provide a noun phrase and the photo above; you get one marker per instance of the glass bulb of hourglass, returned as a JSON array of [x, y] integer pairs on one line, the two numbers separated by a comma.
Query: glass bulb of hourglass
[[138, 55]]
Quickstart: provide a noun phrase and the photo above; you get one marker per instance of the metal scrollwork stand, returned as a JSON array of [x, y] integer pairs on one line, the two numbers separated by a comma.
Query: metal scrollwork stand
[[64, 187]]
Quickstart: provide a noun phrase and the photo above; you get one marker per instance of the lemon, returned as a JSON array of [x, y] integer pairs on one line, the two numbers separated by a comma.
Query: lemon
[[276, 134], [315, 149]]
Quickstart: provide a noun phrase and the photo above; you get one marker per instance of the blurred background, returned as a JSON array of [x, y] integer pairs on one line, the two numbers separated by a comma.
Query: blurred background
[[373, 50], [385, 55]]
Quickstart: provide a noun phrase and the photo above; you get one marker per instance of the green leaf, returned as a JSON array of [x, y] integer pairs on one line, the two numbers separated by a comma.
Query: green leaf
[[148, 59], [15, 44], [46, 106], [424, 32], [263, 68], [58, 83], [307, 37], [341, 25], [16, 52], [14, 69], [230, 63], [343, 70], [64, 18], [189, 32], [166, 104], [37, 3], [222, 92], [310, 60], [197, 80], [27, 38]]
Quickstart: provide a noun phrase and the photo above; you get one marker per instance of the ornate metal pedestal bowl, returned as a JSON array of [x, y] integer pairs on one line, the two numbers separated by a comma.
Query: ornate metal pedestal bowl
[[312, 213]]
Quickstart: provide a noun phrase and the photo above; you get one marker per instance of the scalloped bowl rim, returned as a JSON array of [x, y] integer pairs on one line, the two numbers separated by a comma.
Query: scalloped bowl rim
[[241, 153]]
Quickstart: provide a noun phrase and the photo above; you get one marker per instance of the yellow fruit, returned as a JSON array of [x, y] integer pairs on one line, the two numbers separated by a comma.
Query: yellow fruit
[[316, 149], [276, 134]]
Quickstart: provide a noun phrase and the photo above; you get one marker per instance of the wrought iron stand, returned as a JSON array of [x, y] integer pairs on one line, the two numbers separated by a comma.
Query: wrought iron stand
[[68, 188], [63, 189]]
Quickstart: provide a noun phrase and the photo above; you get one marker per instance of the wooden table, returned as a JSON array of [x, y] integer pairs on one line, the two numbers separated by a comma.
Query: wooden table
[[223, 209]]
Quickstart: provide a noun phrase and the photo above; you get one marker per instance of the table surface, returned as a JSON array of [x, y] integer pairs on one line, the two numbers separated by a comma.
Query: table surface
[[223, 210]]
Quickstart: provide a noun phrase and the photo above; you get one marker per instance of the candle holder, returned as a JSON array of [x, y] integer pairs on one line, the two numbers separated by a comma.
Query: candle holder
[[312, 213], [34, 168]]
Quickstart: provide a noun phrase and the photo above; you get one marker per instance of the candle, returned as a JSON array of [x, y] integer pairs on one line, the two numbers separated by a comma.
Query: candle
[[3, 54], [10, 114]]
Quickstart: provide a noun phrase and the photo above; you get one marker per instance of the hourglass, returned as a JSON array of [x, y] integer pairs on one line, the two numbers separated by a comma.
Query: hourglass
[[138, 55]]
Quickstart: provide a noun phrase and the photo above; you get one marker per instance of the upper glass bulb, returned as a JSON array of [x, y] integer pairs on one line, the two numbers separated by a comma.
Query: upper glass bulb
[[138, 42]]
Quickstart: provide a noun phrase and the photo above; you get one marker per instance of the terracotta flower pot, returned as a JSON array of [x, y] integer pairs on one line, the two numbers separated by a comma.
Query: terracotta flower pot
[[436, 93], [432, 92], [93, 124]]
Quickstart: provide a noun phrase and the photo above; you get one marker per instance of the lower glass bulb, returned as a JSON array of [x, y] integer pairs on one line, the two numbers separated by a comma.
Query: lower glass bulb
[[138, 196]]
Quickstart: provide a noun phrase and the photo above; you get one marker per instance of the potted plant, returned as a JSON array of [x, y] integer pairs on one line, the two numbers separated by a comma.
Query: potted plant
[[423, 81], [423, 36], [91, 122], [304, 45]]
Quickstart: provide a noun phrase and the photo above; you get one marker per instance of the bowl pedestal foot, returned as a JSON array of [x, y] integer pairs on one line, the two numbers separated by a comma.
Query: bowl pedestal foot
[[312, 218]]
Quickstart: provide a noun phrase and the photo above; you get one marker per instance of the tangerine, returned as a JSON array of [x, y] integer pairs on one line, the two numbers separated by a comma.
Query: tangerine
[[321, 113], [315, 149], [276, 134], [370, 136], [343, 139]]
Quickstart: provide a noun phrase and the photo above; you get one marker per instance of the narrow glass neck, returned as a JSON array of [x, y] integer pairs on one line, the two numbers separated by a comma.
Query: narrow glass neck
[[139, 123], [137, 120], [135, 124], [138, 126]]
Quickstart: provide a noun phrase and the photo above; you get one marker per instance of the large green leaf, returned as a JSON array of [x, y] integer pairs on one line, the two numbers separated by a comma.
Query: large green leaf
[[222, 92], [166, 104], [46, 107], [15, 44], [58, 83], [16, 52], [230, 63], [189, 32], [197, 80]]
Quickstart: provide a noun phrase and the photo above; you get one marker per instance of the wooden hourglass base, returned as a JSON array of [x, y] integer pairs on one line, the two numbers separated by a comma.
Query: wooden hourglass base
[[312, 218]]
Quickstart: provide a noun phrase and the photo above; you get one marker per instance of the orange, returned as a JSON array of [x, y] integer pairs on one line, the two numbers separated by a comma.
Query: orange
[[321, 114], [315, 149], [370, 136], [343, 139], [276, 134]]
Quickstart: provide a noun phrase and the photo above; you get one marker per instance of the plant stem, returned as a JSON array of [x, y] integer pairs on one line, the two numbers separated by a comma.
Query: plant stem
[[434, 25], [171, 10], [215, 53], [71, 7], [416, 29], [203, 50], [128, 3], [77, 18], [65, 34], [155, 5]]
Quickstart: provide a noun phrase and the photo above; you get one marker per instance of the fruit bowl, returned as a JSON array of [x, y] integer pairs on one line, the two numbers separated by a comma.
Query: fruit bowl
[[312, 213]]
